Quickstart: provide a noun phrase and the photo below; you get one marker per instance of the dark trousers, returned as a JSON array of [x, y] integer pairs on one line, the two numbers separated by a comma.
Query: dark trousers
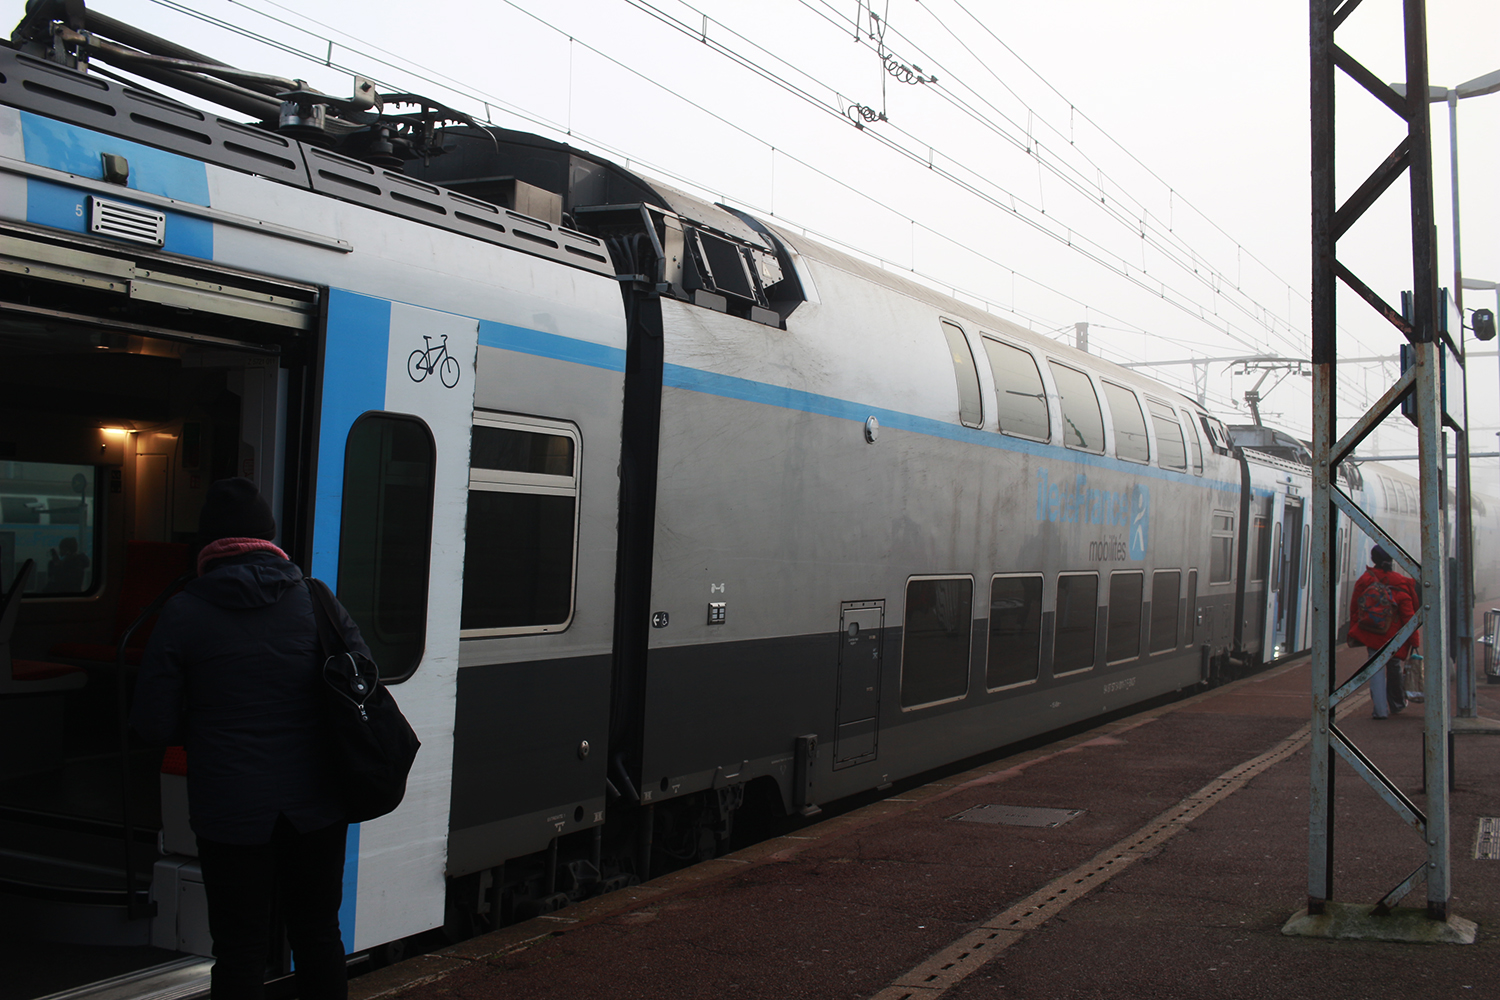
[[304, 873]]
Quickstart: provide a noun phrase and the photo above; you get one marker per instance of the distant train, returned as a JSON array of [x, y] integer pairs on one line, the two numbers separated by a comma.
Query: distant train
[[652, 511]]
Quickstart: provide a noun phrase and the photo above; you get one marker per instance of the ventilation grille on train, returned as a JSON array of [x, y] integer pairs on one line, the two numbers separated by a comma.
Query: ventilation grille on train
[[127, 222]]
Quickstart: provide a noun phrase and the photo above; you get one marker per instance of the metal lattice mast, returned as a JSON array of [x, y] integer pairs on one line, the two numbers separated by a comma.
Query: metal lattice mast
[[1330, 221]]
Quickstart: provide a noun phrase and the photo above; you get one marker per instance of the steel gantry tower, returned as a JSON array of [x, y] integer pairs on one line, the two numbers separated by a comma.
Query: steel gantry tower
[[1431, 350]]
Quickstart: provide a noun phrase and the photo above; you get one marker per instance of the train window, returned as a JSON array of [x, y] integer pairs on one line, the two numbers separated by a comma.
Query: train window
[[1192, 604], [520, 549], [1021, 398], [1131, 442], [48, 515], [1166, 584], [1083, 423], [1218, 437], [1015, 650], [1124, 639], [970, 411], [1195, 446], [1306, 549], [1170, 452], [1221, 552], [1276, 559], [385, 537], [936, 640], [1075, 623], [1260, 541]]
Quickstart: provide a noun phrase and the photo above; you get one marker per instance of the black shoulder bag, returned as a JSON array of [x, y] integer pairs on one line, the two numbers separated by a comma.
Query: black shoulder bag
[[371, 744]]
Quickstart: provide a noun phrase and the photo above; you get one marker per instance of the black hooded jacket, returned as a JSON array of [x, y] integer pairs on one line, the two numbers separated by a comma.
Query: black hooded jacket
[[232, 673]]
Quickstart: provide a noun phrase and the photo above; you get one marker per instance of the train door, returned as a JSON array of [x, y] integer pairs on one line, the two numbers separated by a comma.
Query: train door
[[1291, 574], [861, 642], [128, 383], [1275, 633], [392, 498]]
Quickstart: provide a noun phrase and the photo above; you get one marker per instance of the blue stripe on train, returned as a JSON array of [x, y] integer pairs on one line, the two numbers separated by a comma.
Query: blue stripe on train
[[549, 345], [50, 143], [733, 387], [354, 370]]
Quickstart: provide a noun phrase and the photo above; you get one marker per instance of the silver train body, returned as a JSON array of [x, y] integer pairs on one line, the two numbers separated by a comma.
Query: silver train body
[[656, 513]]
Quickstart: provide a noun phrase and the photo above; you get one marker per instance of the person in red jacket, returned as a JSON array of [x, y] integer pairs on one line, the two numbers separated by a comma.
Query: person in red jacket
[[1383, 602]]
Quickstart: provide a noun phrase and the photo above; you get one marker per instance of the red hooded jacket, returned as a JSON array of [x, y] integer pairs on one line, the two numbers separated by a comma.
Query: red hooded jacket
[[1403, 591]]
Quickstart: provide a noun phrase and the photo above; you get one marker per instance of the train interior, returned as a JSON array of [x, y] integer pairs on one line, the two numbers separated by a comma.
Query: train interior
[[110, 433]]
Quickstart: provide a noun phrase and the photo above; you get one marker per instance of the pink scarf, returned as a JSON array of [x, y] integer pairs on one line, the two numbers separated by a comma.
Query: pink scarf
[[226, 547]]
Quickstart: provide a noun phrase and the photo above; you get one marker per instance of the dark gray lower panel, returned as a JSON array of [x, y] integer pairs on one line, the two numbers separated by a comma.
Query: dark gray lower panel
[[518, 729]]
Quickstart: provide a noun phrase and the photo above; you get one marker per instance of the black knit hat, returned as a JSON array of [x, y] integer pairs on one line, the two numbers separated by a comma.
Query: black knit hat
[[1380, 557], [235, 509]]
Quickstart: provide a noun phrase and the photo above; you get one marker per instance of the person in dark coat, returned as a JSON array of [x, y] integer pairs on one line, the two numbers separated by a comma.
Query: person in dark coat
[[1403, 594], [233, 673]]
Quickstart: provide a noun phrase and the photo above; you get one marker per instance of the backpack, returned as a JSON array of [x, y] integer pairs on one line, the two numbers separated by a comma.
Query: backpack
[[1375, 612], [371, 742]]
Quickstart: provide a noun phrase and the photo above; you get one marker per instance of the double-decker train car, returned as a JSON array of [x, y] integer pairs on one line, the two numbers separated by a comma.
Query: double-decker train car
[[652, 512]]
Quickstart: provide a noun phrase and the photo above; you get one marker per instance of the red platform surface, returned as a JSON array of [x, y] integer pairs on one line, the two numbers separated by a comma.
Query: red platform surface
[[851, 907]]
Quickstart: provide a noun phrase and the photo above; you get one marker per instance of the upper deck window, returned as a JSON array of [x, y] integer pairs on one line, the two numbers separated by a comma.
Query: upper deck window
[[1083, 422], [1131, 442], [1021, 399], [970, 410], [1170, 451], [1195, 447]]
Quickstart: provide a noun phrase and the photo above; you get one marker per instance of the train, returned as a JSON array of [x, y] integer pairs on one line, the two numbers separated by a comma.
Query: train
[[656, 514]]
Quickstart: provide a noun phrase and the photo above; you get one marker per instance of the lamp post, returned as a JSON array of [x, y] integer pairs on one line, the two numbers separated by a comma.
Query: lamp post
[[1464, 597], [1480, 285]]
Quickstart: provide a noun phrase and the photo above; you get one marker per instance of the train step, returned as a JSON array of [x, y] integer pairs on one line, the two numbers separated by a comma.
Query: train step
[[181, 979]]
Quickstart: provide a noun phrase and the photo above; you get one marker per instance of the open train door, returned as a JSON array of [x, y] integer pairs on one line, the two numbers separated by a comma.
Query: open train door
[[130, 380], [388, 527]]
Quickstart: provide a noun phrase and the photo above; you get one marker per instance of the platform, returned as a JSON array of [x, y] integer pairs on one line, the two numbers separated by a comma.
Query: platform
[[1174, 881]]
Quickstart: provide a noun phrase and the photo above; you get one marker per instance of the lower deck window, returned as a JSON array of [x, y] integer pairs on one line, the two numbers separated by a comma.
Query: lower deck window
[[936, 640], [1076, 622], [1165, 586], [1124, 616], [1015, 647]]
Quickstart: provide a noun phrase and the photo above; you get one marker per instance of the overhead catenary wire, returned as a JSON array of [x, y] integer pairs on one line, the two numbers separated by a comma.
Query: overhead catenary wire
[[970, 182], [1024, 140]]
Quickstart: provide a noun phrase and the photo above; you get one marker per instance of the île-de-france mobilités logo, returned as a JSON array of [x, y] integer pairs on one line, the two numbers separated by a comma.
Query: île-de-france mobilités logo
[[1140, 522], [1071, 499]]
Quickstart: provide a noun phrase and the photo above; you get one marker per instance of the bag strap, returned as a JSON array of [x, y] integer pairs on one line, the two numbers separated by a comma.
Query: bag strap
[[328, 637]]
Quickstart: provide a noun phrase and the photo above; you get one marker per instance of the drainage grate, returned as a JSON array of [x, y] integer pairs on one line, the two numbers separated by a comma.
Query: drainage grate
[[1487, 840], [1018, 815]]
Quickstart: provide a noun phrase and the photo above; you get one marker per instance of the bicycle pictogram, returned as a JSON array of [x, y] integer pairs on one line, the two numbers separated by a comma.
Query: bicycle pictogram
[[424, 362]]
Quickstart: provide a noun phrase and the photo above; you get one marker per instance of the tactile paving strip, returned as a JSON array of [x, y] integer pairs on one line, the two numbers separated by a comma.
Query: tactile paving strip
[[943, 970], [1487, 839]]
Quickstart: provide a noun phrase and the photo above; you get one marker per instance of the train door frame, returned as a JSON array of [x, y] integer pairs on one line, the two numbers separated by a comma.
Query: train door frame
[[1275, 577], [1293, 534], [263, 333]]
